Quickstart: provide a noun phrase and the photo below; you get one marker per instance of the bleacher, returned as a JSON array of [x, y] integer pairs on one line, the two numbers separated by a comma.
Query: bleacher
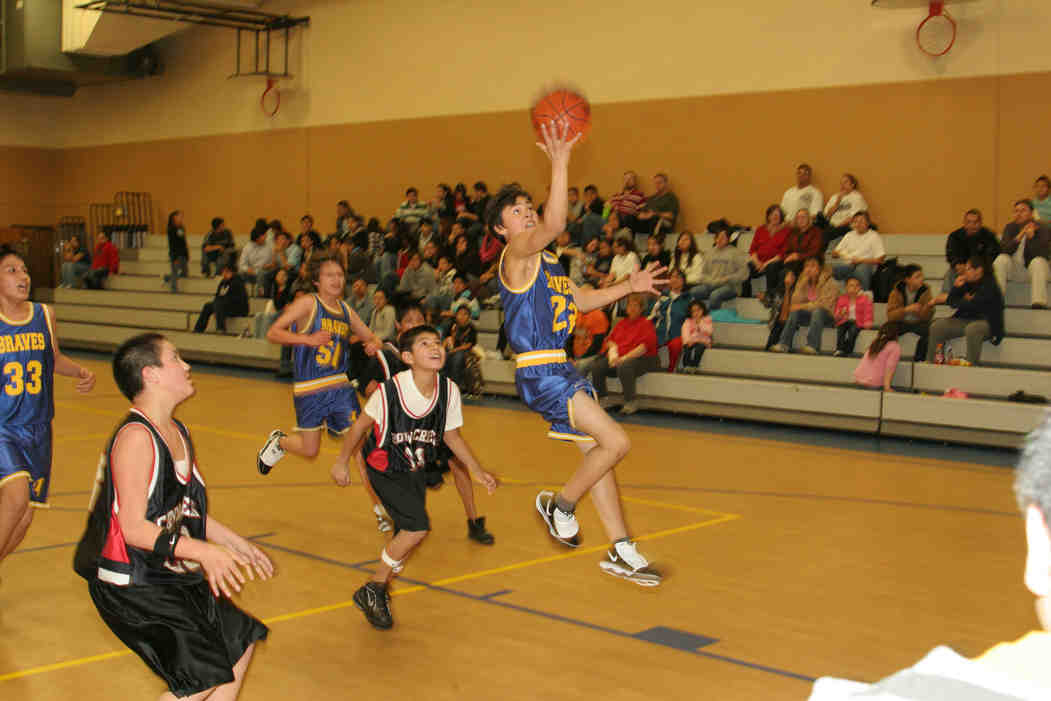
[[738, 380]]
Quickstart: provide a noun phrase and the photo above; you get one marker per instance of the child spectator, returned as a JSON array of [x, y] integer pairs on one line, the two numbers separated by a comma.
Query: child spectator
[[598, 273], [105, 261], [668, 314], [231, 299], [444, 293], [880, 361], [767, 252], [178, 252], [463, 298], [696, 337], [218, 244], [458, 344], [813, 300], [382, 320], [655, 252], [779, 302], [688, 259], [631, 352], [909, 306], [853, 313], [76, 261]]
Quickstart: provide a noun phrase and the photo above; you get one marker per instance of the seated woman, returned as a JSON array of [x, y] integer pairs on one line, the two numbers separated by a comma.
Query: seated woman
[[76, 261], [812, 303], [858, 252], [979, 316], [766, 255], [880, 361], [630, 352], [688, 259], [841, 208], [802, 242], [655, 252], [725, 268], [625, 261], [667, 315]]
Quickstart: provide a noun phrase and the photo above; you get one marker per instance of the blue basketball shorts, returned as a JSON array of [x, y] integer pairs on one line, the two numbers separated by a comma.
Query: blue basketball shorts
[[334, 409], [547, 390], [25, 452]]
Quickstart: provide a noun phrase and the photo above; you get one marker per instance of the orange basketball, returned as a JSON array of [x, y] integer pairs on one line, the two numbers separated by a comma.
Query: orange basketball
[[563, 108]]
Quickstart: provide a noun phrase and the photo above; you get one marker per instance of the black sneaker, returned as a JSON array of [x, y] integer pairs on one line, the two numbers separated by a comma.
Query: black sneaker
[[374, 601], [476, 531]]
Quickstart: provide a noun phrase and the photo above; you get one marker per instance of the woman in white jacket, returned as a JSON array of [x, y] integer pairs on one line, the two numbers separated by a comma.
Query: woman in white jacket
[[688, 259]]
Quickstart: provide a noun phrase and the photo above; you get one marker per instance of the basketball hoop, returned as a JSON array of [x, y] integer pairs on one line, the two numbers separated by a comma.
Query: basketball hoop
[[270, 100], [936, 34]]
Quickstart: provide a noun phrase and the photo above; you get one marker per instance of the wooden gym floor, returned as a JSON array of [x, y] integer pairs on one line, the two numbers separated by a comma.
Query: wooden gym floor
[[785, 562]]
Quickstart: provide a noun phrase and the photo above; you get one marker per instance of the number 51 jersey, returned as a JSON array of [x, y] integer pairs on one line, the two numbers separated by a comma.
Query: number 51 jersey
[[27, 361]]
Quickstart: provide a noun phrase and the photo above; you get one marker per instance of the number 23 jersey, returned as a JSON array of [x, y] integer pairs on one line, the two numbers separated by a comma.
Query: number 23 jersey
[[542, 314], [27, 361]]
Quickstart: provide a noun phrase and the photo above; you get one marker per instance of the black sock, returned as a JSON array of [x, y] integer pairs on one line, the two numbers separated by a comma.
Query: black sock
[[565, 506], [625, 539]]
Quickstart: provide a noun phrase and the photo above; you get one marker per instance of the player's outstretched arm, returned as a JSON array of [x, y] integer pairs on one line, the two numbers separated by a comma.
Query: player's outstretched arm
[[647, 280], [64, 365], [297, 311], [463, 452], [132, 466], [258, 562], [364, 333], [352, 443]]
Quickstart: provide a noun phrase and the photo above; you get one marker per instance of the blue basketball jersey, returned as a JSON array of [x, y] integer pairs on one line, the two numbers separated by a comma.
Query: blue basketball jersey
[[541, 315], [324, 367], [27, 362]]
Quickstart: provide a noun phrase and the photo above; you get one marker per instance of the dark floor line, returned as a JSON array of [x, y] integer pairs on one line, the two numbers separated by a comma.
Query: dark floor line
[[488, 599], [69, 545], [247, 485]]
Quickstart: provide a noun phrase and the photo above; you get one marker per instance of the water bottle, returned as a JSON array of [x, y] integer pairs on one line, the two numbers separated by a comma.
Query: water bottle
[[939, 354]]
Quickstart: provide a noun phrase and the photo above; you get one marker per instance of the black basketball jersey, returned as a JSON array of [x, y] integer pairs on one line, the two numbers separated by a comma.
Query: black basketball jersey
[[176, 502], [401, 441]]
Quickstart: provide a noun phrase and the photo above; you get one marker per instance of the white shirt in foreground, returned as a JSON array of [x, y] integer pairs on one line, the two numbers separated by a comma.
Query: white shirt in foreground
[[417, 404]]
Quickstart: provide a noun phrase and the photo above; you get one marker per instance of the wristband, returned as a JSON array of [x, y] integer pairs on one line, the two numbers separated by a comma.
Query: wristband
[[164, 546]]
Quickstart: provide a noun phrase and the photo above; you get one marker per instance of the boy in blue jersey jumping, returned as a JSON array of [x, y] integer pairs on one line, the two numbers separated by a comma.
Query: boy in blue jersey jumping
[[541, 306], [319, 329], [29, 359]]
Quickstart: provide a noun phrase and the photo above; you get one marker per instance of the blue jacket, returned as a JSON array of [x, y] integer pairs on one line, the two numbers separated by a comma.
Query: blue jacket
[[668, 314]]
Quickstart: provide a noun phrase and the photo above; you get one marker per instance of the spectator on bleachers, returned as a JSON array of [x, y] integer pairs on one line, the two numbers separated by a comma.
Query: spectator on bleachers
[[971, 239], [282, 295], [462, 297], [840, 209], [588, 336], [426, 235], [460, 198], [627, 202], [859, 252], [443, 293], [375, 236], [909, 307], [696, 337], [387, 263], [725, 268], [625, 261], [105, 261], [575, 206], [613, 229], [656, 253], [688, 259], [661, 211], [444, 207], [630, 352], [979, 316], [458, 344], [257, 257], [306, 226], [853, 313], [590, 224], [231, 299], [355, 260], [812, 302], [598, 273], [581, 259], [76, 261], [359, 299], [779, 302], [489, 257], [382, 320], [178, 251], [418, 280], [766, 255], [430, 254], [474, 213], [803, 195], [803, 241], [287, 256], [879, 362], [309, 244], [465, 259], [1010, 671], [1042, 198], [343, 217], [1025, 247], [670, 310], [410, 212], [218, 245]]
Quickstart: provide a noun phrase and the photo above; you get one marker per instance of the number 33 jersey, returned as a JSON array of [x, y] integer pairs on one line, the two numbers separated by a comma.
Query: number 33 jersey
[[542, 314], [27, 361]]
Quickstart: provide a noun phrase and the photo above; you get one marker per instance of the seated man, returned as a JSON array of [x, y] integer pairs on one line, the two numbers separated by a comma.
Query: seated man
[[627, 202], [105, 261], [804, 195], [218, 243], [909, 306], [979, 315], [1010, 671], [725, 268], [418, 281], [971, 239], [1024, 252], [257, 257], [858, 252], [231, 299], [660, 211], [412, 211]]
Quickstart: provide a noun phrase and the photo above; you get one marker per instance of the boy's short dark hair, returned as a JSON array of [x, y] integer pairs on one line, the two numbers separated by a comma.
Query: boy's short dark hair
[[217, 222], [8, 250], [411, 191], [283, 233], [138, 352], [506, 197], [461, 277], [307, 217], [231, 265], [406, 308], [910, 270], [1026, 202], [410, 336], [480, 186], [1044, 179]]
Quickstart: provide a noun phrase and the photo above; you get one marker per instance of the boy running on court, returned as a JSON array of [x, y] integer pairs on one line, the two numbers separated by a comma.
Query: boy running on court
[[29, 359], [386, 364], [319, 327], [541, 305], [160, 569], [404, 423]]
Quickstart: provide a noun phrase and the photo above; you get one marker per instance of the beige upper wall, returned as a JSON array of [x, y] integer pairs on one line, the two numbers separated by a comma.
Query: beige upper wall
[[375, 60]]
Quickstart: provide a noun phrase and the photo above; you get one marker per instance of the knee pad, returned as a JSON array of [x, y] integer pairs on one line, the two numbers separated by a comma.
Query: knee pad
[[396, 566]]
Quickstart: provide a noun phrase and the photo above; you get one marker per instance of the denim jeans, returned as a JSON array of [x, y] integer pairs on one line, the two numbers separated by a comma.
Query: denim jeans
[[714, 295], [818, 319], [862, 271]]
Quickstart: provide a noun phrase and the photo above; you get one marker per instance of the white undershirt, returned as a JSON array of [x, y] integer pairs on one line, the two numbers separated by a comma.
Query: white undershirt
[[416, 403]]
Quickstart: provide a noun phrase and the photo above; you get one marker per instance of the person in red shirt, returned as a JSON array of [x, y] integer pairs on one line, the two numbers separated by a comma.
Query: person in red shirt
[[804, 241], [105, 261], [766, 255], [630, 352]]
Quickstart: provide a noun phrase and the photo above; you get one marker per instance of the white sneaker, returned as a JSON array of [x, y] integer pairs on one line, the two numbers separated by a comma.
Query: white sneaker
[[562, 526], [270, 453], [624, 560], [383, 524]]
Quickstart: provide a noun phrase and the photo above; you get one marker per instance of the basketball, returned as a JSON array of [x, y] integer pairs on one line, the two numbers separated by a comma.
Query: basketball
[[563, 107]]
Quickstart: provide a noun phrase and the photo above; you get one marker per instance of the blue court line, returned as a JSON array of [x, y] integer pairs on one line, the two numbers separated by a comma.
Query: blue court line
[[69, 545], [488, 599]]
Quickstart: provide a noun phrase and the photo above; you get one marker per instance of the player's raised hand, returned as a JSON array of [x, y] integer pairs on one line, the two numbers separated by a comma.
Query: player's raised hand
[[556, 143], [318, 338], [85, 380], [649, 279], [340, 473]]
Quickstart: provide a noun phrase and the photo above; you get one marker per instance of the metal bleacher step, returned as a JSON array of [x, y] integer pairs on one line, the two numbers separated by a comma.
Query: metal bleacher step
[[154, 283], [143, 300]]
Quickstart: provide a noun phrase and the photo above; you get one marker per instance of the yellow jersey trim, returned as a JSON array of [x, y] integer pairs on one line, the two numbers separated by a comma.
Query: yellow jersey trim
[[16, 475], [539, 357], [50, 327], [341, 310], [319, 384], [549, 256], [559, 436], [524, 288], [32, 313], [310, 319]]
